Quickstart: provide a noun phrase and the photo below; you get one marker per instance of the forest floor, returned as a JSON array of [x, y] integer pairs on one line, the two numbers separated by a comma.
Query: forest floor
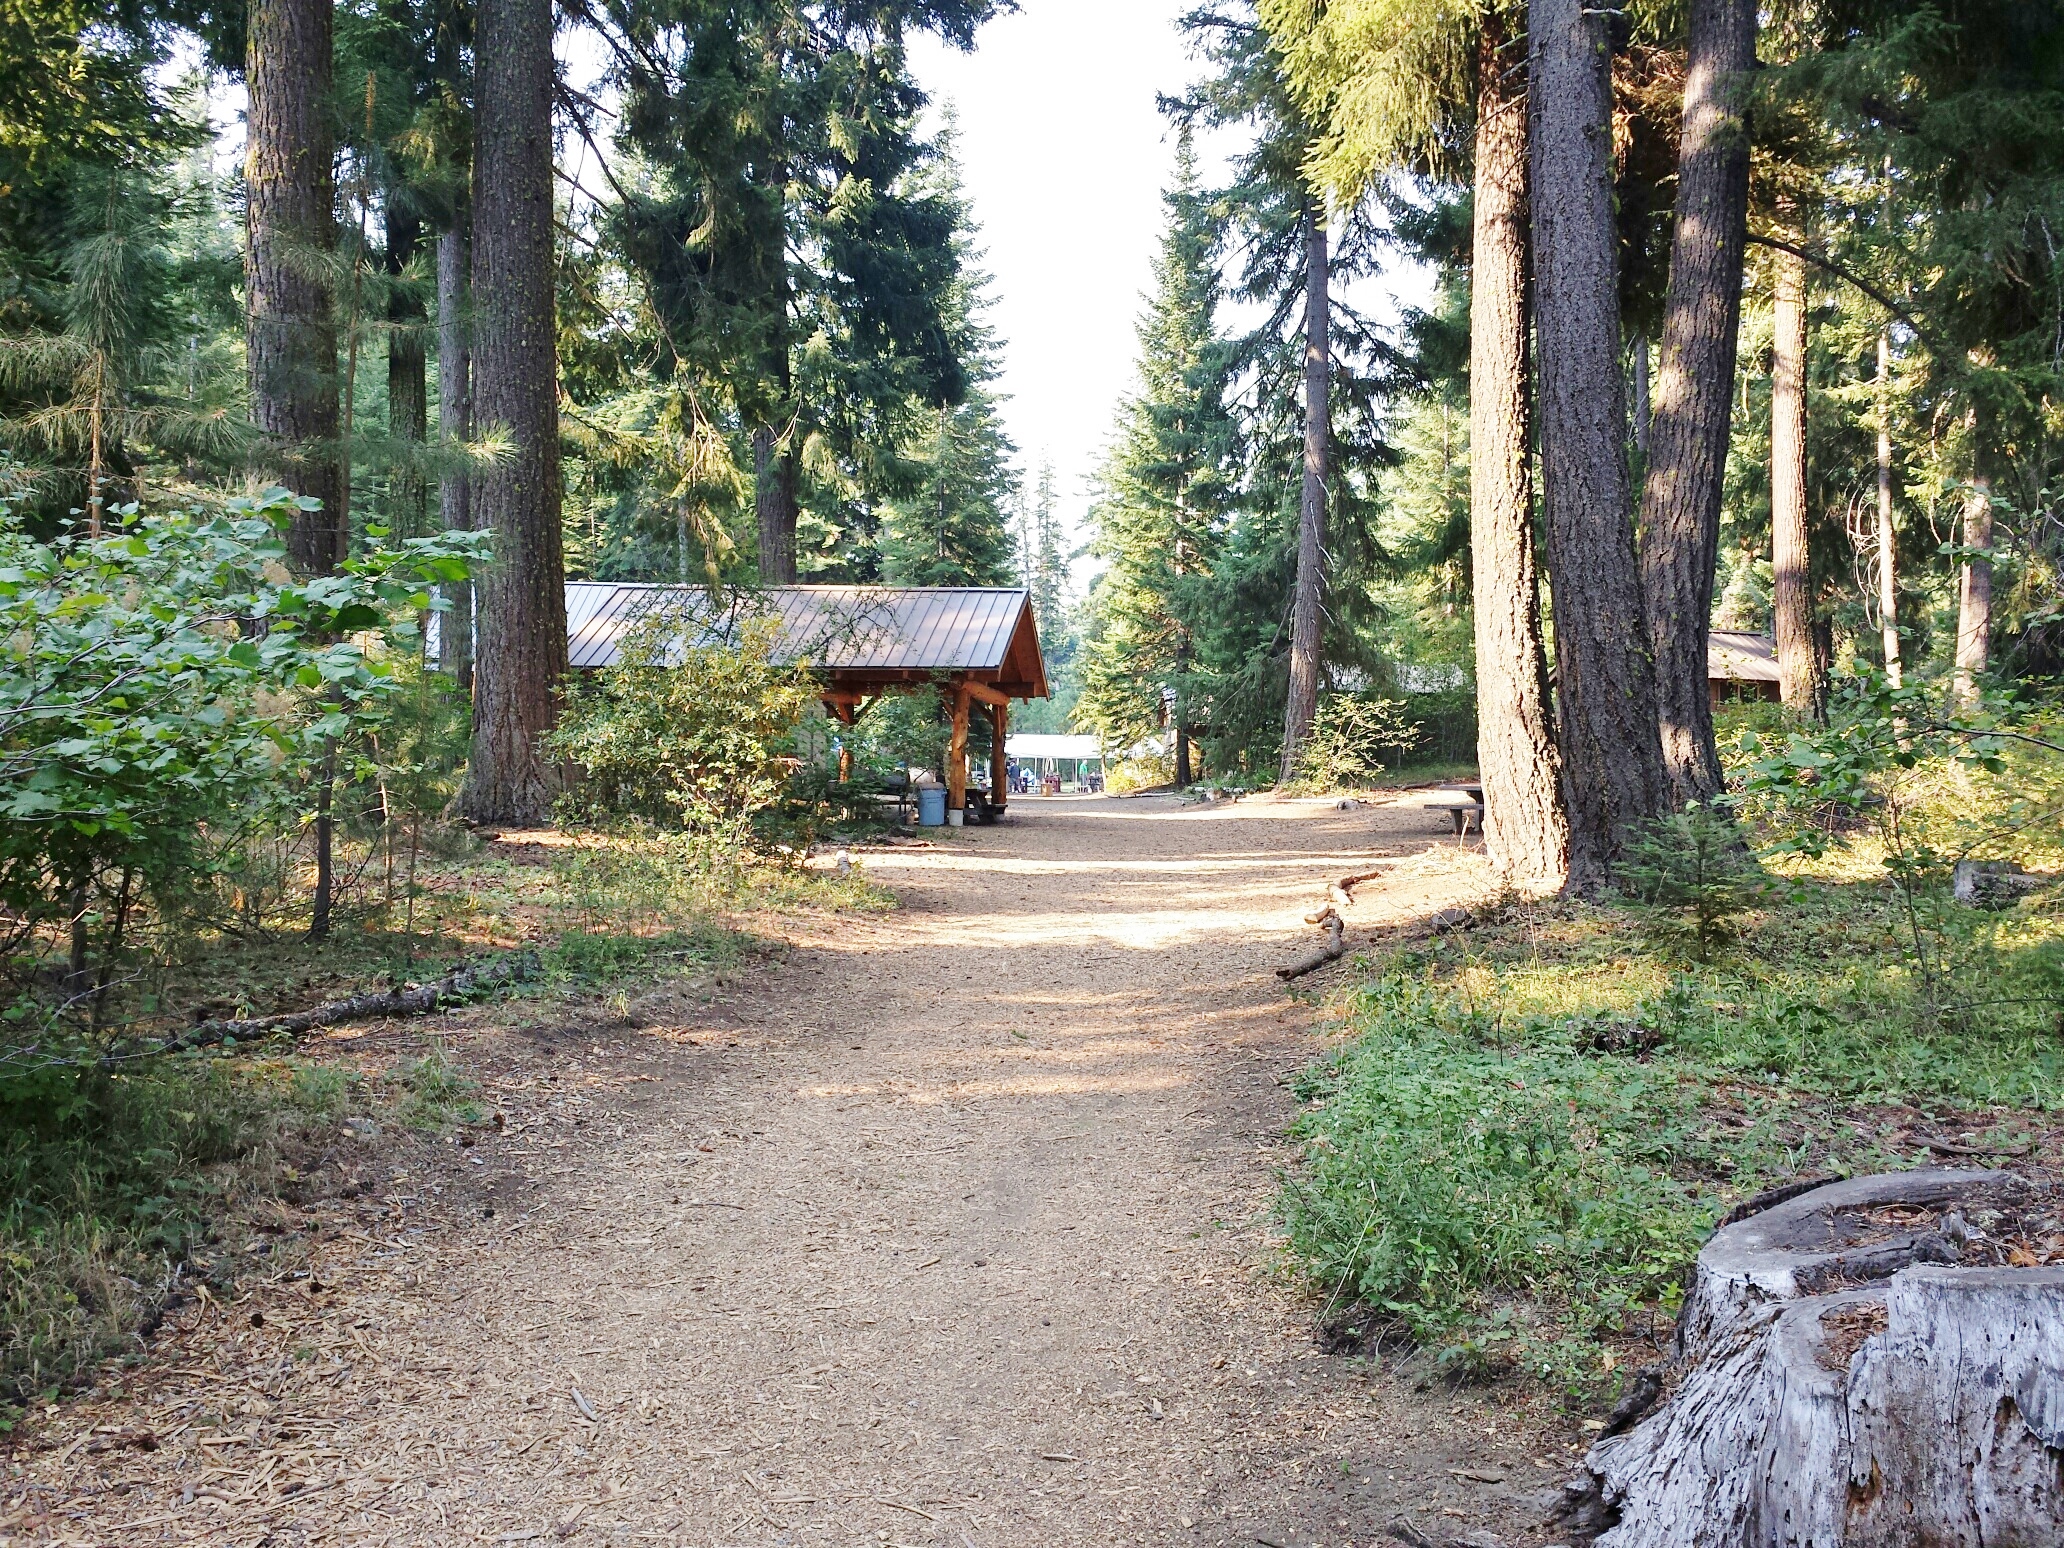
[[945, 1226]]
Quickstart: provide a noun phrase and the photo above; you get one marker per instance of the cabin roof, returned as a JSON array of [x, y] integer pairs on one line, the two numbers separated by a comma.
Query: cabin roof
[[1733, 657], [859, 637]]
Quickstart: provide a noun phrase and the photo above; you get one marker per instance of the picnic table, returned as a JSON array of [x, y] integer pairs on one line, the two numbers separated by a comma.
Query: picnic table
[[1465, 811]]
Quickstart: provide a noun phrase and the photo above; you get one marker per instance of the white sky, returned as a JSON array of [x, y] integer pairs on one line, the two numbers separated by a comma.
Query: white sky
[[1065, 155]]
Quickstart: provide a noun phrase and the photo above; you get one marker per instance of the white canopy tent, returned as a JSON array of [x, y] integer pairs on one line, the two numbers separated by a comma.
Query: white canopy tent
[[1071, 759]]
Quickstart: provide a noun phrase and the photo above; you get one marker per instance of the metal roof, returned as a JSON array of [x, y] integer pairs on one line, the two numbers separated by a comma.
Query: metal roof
[[850, 628], [1741, 658]]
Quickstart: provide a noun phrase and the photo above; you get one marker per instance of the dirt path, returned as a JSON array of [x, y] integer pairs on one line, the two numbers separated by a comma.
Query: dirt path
[[952, 1230]]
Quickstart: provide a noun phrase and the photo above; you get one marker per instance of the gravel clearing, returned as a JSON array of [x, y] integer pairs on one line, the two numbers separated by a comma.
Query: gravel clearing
[[950, 1228]]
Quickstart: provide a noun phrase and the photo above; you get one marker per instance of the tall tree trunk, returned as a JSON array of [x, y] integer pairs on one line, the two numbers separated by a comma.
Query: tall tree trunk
[[290, 335], [1798, 665], [1687, 464], [1307, 607], [1525, 828], [408, 401], [1642, 409], [1614, 778], [774, 504], [1888, 544], [455, 419], [516, 390], [1974, 576]]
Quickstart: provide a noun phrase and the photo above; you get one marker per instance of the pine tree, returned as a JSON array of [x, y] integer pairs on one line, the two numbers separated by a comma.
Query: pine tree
[[951, 528], [291, 333], [1614, 779], [1167, 490], [1041, 565], [522, 599]]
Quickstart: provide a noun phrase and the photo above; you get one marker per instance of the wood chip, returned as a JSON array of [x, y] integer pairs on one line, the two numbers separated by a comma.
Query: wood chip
[[899, 1505]]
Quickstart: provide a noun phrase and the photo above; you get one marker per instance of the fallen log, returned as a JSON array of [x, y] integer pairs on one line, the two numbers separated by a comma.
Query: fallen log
[[1856, 1367], [417, 1000], [1336, 944]]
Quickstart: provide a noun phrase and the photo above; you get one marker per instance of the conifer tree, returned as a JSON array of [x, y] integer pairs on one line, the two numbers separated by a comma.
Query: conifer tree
[[291, 334], [1167, 490], [950, 528], [1041, 564]]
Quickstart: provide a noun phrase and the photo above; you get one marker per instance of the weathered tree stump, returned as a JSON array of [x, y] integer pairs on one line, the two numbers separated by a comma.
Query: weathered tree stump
[[1876, 1363]]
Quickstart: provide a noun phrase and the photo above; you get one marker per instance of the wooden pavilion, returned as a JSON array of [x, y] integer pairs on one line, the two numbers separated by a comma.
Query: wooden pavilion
[[978, 644]]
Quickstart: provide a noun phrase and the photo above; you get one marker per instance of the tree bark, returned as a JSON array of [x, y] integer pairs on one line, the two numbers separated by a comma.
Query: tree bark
[[516, 384], [455, 420], [1687, 464], [1642, 409], [1307, 607], [1525, 829], [1888, 545], [1974, 578], [1614, 778], [1798, 665], [290, 335], [1841, 1384], [408, 402], [774, 504]]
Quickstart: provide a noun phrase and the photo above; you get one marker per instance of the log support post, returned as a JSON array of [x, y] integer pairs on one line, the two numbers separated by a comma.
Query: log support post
[[999, 764], [845, 712], [956, 753]]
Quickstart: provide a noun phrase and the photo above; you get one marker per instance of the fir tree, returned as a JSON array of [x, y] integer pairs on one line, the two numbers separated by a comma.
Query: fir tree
[[1167, 491], [949, 527]]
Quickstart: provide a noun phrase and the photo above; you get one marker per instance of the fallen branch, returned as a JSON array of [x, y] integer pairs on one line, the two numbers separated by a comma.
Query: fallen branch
[[1342, 891], [462, 985], [1330, 952], [1943, 1147]]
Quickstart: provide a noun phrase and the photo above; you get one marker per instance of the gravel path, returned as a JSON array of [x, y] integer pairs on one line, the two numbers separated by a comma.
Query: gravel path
[[951, 1229]]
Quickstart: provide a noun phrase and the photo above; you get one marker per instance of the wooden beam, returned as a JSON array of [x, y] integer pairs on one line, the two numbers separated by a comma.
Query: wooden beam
[[956, 753], [987, 695]]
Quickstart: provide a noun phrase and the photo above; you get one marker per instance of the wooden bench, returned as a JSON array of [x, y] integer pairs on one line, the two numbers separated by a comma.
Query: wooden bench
[[1462, 813]]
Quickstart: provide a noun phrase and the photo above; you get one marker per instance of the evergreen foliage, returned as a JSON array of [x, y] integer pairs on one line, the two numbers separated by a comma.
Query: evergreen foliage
[[1167, 496]]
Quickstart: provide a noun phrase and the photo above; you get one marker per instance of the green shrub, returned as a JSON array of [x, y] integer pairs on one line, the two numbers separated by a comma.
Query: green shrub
[[1349, 738], [684, 733]]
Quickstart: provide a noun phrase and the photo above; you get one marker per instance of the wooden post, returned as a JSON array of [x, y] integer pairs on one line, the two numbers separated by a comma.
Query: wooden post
[[845, 712], [956, 754], [999, 765]]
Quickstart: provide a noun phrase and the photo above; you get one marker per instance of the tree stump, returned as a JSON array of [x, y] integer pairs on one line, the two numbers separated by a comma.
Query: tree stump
[[1876, 1363]]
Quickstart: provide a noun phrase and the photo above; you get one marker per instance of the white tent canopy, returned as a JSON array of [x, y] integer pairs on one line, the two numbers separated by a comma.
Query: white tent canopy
[[1026, 745]]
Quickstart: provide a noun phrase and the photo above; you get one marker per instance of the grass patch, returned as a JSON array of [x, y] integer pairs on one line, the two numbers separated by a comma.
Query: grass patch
[[1526, 1133], [112, 1181], [118, 1182]]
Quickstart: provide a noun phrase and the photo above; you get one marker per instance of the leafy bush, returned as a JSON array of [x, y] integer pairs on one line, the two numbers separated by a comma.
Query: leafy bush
[[686, 734], [168, 697], [1350, 734], [1928, 783]]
